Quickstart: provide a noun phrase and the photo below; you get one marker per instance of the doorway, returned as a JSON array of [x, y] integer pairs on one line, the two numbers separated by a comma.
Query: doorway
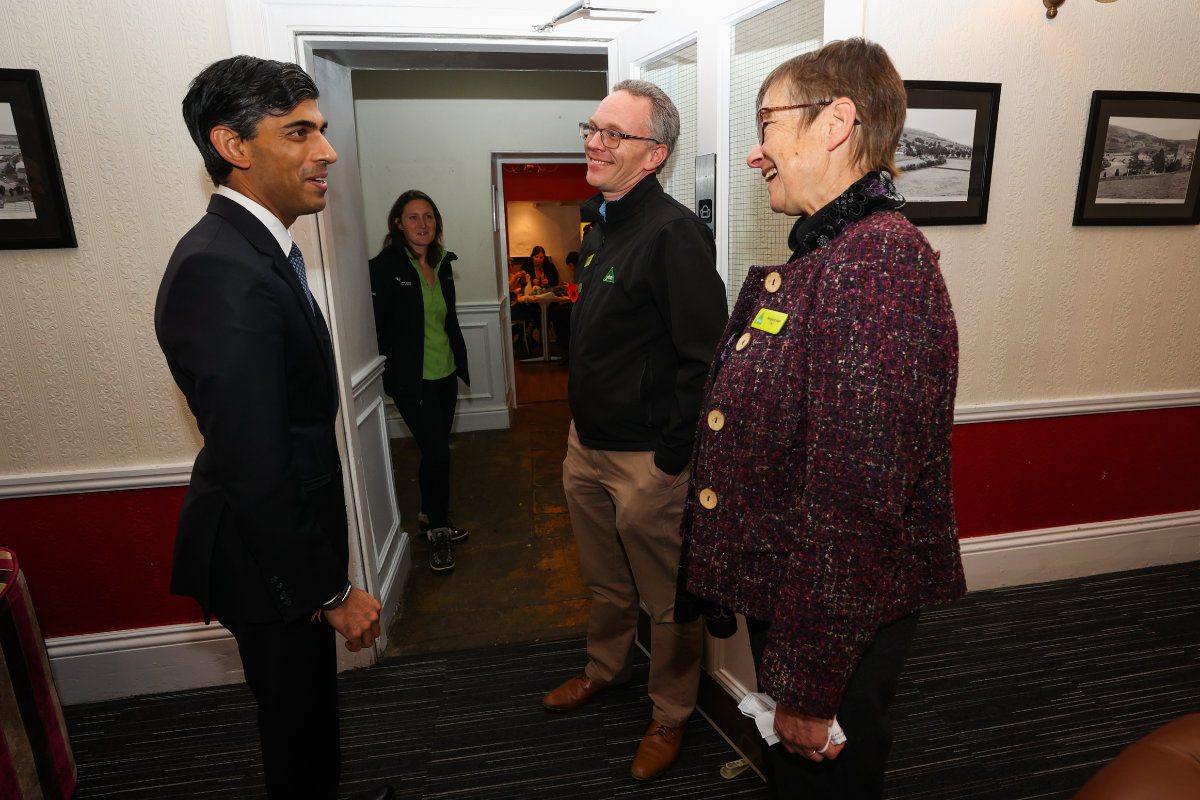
[[431, 124], [540, 196]]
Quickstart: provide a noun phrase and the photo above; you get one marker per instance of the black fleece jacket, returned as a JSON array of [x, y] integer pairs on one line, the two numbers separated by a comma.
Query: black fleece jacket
[[400, 319], [651, 308]]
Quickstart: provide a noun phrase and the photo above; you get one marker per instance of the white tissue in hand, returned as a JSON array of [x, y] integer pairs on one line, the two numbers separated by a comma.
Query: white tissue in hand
[[761, 708]]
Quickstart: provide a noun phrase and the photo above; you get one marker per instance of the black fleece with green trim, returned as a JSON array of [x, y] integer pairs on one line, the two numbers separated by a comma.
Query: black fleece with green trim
[[651, 308]]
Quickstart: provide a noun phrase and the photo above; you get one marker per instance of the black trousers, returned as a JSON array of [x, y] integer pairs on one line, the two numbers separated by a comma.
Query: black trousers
[[292, 671], [429, 415], [857, 773], [291, 668]]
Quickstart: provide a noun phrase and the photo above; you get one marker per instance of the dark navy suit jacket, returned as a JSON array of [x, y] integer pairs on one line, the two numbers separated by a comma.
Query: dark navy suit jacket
[[255, 363]]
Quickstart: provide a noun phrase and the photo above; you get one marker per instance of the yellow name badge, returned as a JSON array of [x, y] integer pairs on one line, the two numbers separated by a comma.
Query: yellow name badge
[[769, 321]]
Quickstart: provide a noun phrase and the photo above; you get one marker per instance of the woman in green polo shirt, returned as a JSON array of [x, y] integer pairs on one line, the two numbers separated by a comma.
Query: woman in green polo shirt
[[412, 286]]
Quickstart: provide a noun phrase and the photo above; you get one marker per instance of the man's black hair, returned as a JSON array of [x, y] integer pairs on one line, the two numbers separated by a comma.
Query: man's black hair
[[239, 92]]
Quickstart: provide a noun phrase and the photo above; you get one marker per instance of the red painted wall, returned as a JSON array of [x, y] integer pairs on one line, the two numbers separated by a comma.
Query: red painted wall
[[1045, 473], [101, 561], [566, 182]]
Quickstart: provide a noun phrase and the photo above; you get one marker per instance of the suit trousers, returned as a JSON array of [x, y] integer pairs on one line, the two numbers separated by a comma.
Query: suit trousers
[[429, 416], [626, 524], [291, 669], [857, 773]]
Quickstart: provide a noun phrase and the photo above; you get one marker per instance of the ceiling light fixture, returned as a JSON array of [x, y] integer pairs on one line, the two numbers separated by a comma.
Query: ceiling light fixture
[[585, 8]]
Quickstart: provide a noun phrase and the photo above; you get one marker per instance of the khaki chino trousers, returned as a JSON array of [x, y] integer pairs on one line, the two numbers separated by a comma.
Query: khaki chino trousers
[[626, 524]]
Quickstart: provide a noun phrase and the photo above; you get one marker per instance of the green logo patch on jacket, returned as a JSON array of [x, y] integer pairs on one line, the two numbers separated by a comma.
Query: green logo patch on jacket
[[609, 277]]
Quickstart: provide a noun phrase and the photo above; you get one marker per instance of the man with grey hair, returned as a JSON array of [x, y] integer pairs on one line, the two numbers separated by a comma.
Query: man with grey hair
[[651, 308]]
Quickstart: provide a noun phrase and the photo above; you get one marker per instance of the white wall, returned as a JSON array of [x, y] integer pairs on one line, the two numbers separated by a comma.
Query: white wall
[[1046, 310], [82, 382], [552, 224], [436, 131]]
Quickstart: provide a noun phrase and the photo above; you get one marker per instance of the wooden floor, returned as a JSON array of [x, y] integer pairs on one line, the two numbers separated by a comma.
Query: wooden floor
[[517, 576], [539, 381]]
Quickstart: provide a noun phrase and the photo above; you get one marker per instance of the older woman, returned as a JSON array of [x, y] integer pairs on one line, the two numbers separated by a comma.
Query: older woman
[[820, 502]]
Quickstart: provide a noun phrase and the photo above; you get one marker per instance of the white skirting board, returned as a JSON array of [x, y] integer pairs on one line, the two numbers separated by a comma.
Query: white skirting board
[[464, 421], [171, 658], [104, 666], [1073, 551]]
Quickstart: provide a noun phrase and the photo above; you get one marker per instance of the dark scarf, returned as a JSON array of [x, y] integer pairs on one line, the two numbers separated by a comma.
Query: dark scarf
[[870, 193]]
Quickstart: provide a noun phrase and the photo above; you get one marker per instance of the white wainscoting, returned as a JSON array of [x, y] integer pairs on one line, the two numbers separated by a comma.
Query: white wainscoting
[[482, 406], [386, 544], [1074, 406]]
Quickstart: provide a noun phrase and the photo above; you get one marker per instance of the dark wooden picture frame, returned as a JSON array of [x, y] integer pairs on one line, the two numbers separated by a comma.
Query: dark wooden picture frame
[[946, 150], [34, 213], [1139, 160]]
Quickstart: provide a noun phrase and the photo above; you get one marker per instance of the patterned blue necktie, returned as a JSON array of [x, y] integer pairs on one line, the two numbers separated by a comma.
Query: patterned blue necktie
[[296, 259]]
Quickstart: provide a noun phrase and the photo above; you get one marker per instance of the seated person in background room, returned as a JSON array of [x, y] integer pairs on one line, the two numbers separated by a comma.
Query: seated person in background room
[[518, 279], [560, 315], [541, 270], [820, 501], [572, 261]]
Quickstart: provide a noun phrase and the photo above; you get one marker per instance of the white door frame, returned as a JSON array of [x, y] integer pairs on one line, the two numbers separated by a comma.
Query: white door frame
[[299, 31], [291, 30], [500, 229]]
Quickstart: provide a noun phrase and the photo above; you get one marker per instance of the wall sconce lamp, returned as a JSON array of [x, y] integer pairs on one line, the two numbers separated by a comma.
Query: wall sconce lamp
[[1052, 6]]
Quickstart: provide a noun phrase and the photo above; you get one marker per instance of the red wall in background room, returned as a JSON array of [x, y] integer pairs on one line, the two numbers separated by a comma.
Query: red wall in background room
[[565, 181], [101, 561]]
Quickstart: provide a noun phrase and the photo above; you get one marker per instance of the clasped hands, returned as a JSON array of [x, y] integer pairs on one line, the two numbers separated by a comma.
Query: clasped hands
[[357, 619], [804, 735]]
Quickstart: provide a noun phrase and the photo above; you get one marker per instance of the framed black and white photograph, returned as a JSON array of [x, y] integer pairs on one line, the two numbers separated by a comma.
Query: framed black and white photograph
[[33, 201], [945, 151], [1139, 160]]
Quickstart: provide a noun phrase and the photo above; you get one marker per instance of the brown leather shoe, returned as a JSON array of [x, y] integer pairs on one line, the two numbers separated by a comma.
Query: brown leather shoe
[[657, 752], [573, 693]]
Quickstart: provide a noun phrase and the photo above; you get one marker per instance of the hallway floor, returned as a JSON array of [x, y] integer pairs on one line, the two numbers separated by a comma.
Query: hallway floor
[[517, 576], [1009, 694]]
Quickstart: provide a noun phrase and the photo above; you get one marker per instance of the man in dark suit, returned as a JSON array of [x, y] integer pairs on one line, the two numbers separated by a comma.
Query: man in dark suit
[[262, 536]]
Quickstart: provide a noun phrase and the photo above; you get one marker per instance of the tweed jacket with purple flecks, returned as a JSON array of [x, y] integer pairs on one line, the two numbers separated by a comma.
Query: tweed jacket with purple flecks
[[830, 463]]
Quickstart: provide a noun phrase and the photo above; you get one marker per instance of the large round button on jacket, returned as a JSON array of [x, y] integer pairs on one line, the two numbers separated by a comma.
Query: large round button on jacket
[[716, 420], [773, 282], [708, 498], [743, 341]]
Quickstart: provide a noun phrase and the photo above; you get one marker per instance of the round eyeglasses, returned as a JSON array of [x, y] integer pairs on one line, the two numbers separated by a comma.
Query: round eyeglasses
[[762, 122]]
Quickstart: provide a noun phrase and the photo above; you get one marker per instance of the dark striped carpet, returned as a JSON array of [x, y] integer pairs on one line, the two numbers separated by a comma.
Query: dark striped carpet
[[1015, 694]]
